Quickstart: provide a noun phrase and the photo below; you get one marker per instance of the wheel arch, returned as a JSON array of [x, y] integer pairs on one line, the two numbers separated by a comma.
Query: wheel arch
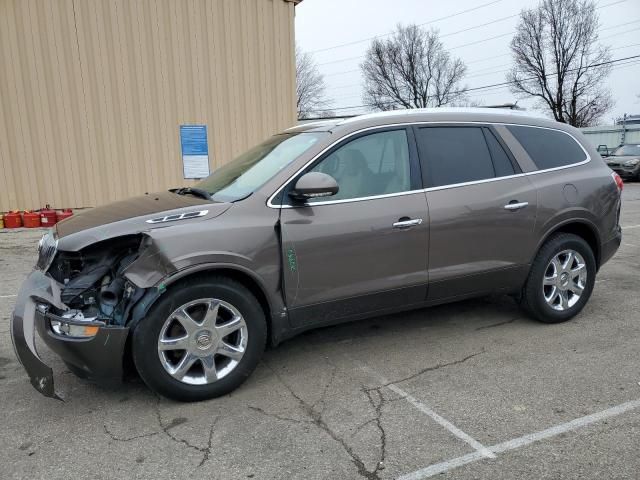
[[582, 228], [274, 310], [241, 275]]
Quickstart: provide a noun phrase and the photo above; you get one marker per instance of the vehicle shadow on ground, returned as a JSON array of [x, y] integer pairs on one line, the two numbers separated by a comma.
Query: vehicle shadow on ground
[[468, 315]]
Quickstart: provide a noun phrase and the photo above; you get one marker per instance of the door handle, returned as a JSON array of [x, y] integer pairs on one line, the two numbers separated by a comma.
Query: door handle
[[513, 205], [407, 223]]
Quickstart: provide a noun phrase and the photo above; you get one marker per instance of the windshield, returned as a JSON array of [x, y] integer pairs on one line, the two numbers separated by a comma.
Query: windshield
[[248, 172], [627, 150]]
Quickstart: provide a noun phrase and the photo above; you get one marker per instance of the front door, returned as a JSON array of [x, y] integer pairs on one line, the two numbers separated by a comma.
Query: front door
[[364, 249], [482, 211]]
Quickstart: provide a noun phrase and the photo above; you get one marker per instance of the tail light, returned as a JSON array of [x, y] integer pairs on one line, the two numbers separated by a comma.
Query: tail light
[[618, 180]]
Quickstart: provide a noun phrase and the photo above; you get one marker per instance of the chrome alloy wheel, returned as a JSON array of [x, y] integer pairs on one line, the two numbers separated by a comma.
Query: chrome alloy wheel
[[202, 341], [564, 280]]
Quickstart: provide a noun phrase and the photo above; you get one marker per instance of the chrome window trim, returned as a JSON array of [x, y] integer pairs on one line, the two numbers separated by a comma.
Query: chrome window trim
[[428, 189], [472, 182], [358, 199], [536, 172]]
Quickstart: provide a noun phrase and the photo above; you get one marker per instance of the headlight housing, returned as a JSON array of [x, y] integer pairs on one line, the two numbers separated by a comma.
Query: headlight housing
[[632, 163], [47, 248]]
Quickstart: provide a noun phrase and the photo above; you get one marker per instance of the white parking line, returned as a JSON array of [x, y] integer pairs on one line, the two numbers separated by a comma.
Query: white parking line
[[8, 296], [523, 441], [630, 227], [481, 450]]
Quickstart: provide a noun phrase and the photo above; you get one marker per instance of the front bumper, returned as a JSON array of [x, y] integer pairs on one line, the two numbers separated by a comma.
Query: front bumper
[[98, 357]]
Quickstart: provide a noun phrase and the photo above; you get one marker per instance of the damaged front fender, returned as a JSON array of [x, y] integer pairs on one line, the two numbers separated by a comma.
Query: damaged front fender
[[151, 266]]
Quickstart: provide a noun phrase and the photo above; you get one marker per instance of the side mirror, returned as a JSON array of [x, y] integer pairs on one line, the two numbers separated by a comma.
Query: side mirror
[[314, 185], [603, 150]]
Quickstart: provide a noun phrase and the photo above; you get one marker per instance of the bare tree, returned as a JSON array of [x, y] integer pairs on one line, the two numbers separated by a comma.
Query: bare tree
[[559, 61], [310, 87], [411, 69]]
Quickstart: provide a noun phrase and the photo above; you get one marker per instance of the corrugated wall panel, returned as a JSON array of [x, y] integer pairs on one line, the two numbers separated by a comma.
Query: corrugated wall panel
[[93, 92]]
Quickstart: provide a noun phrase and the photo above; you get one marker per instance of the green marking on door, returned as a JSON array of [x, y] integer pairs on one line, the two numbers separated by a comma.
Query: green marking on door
[[291, 258]]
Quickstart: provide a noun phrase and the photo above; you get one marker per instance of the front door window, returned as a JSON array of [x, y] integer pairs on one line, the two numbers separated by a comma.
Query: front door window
[[375, 164]]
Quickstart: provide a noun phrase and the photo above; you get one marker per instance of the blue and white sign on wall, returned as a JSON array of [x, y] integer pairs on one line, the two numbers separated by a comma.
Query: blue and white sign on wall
[[195, 151]]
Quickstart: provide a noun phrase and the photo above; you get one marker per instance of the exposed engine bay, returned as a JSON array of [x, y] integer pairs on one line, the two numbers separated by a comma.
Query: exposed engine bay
[[83, 303], [94, 286]]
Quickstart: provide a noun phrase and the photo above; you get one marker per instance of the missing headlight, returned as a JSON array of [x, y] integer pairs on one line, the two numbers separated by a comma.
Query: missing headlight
[[93, 279]]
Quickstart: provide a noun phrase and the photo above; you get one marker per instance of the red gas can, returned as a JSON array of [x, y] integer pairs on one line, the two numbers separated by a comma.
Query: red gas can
[[31, 219], [12, 220], [48, 217], [61, 215]]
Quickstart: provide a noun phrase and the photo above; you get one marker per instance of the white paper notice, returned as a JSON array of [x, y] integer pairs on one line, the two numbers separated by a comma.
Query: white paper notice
[[195, 166]]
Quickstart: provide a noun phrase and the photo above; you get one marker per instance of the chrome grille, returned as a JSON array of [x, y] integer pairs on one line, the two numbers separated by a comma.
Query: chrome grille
[[46, 250]]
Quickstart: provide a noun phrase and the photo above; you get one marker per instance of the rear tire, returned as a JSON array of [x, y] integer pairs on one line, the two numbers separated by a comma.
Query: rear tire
[[561, 279], [215, 325]]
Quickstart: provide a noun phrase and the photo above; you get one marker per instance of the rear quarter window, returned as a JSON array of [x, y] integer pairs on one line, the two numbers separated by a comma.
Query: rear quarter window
[[548, 148]]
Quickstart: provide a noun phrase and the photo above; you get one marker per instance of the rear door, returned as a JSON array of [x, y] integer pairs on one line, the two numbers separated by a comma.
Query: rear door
[[482, 210], [364, 249]]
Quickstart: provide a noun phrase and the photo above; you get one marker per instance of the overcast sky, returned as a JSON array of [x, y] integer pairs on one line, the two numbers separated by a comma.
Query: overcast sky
[[348, 25]]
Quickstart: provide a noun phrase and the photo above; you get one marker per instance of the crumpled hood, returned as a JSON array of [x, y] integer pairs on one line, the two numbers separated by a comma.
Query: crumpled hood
[[129, 217]]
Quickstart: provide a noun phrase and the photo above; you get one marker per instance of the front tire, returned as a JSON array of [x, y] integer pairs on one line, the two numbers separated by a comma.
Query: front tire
[[561, 279], [201, 340]]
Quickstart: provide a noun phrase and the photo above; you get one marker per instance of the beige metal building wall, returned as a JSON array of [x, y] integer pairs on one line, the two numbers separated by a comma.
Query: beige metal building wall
[[92, 92]]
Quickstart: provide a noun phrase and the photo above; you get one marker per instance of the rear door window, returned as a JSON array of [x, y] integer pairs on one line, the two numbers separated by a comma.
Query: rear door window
[[548, 148], [453, 155]]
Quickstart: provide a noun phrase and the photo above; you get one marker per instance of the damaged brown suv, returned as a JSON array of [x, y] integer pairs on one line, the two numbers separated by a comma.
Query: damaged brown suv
[[323, 223]]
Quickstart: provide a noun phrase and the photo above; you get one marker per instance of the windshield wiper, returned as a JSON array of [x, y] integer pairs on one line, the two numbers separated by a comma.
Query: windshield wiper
[[198, 192]]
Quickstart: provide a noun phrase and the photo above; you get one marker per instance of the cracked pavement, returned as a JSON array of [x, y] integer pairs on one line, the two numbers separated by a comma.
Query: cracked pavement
[[310, 412]]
